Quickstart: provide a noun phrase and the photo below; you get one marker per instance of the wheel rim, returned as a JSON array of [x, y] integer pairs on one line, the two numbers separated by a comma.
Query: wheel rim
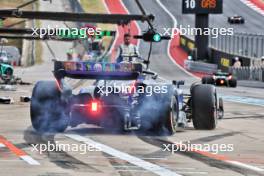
[[173, 122], [215, 109]]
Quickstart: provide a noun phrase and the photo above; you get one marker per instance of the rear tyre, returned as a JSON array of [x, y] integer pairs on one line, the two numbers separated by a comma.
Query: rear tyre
[[48, 113], [162, 113], [208, 80], [204, 107], [232, 82], [171, 117]]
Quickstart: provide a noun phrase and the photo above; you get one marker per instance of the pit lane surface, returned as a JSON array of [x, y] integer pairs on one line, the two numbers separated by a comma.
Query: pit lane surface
[[242, 126]]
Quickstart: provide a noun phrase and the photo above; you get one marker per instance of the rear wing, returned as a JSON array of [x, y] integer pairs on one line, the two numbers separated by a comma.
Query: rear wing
[[97, 70]]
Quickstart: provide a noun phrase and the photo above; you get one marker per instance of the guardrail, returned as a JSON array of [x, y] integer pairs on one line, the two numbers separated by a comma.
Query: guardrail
[[242, 44], [223, 59], [248, 73], [200, 67]]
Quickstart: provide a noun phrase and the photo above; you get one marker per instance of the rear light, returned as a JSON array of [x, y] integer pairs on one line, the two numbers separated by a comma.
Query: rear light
[[94, 106], [222, 82], [229, 77], [214, 77]]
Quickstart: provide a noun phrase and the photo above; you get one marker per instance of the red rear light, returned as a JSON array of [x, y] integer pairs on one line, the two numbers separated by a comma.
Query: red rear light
[[229, 77], [94, 107], [222, 81]]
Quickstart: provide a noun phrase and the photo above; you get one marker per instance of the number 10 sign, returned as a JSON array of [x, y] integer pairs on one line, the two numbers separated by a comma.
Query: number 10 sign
[[202, 6]]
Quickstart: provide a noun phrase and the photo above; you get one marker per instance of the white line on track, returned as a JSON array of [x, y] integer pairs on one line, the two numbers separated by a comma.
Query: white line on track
[[137, 25], [139, 32], [226, 160], [158, 170], [250, 101], [29, 160], [253, 6], [246, 166], [139, 162], [175, 23]]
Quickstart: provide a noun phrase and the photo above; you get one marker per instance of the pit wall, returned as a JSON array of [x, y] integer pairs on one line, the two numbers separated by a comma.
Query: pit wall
[[221, 59]]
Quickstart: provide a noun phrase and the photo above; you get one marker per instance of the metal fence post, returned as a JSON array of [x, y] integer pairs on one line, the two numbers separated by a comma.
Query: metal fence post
[[262, 46], [242, 45], [252, 44], [234, 43]]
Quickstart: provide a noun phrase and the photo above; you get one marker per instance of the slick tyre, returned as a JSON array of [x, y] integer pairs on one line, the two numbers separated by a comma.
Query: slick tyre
[[48, 113], [170, 122], [165, 113], [204, 107], [232, 82], [208, 80]]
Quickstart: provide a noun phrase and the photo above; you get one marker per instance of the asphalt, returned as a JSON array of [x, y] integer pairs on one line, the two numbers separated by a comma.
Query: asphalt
[[254, 20], [160, 61], [253, 25], [129, 154]]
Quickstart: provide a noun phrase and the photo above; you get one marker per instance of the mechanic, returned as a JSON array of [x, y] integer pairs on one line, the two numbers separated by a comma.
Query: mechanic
[[127, 51], [237, 63]]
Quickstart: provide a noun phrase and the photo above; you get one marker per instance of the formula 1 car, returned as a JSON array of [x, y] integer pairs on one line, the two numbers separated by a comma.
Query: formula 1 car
[[236, 20], [125, 97], [220, 79]]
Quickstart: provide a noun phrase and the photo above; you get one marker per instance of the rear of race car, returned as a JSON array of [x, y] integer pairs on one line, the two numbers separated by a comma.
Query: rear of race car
[[225, 80], [106, 111], [220, 79], [148, 106], [54, 107]]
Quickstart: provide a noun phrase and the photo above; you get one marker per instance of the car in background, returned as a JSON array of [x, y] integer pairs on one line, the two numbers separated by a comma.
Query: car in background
[[220, 79], [236, 19]]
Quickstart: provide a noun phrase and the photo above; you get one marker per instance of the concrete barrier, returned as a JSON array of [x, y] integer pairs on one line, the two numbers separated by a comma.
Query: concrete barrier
[[196, 66]]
